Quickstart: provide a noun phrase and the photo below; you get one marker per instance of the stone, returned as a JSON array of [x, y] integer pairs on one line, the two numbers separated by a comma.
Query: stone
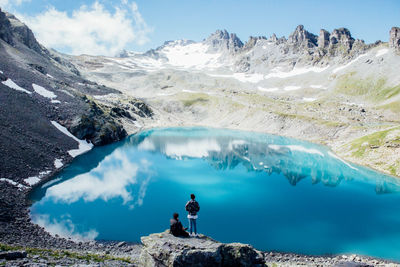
[[163, 249], [394, 39]]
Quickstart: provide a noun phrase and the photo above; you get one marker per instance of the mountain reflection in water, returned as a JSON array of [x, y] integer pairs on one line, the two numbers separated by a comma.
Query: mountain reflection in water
[[289, 190], [261, 153]]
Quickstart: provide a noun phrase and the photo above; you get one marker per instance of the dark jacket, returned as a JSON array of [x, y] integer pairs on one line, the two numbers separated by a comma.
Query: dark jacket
[[176, 228], [192, 206]]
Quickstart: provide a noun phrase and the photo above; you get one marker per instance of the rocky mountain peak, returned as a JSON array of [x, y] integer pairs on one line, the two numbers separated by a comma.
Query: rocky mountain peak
[[14, 31], [273, 38], [341, 36], [222, 40], [394, 38], [253, 41], [302, 38]]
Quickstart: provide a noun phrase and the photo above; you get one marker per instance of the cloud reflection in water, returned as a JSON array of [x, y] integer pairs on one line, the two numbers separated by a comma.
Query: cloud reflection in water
[[64, 228], [112, 178]]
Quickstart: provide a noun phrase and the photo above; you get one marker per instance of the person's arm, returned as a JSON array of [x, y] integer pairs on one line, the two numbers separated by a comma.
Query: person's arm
[[186, 206]]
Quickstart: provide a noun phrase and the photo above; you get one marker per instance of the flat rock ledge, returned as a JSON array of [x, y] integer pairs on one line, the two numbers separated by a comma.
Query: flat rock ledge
[[163, 249]]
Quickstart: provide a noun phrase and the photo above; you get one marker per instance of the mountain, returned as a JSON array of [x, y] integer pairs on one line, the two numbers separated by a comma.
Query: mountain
[[330, 88], [42, 95]]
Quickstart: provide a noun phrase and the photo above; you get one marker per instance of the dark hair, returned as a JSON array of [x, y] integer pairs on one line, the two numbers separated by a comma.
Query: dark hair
[[192, 196], [175, 215]]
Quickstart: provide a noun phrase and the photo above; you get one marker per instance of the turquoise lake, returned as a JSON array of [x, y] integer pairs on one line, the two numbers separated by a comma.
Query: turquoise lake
[[272, 192]]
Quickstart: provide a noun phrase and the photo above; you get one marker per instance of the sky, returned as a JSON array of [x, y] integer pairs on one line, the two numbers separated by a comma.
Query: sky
[[106, 27]]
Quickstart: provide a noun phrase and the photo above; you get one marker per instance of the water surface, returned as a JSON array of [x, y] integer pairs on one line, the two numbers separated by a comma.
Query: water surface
[[272, 192]]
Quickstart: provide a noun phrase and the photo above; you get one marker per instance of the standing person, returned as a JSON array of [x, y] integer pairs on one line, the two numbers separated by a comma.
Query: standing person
[[192, 206], [176, 227]]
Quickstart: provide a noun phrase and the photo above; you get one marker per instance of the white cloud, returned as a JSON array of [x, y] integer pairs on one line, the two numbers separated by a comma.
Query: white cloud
[[90, 29], [9, 4]]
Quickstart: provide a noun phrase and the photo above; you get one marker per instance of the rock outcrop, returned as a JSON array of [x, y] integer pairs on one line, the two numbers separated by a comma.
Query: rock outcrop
[[302, 38], [221, 40], [341, 37], [323, 39], [164, 249], [394, 38]]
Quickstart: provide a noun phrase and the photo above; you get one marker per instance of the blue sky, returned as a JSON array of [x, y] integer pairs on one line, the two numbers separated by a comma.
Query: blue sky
[[145, 24]]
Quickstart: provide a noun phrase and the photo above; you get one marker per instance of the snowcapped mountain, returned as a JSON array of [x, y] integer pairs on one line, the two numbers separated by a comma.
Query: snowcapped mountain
[[329, 88], [303, 61]]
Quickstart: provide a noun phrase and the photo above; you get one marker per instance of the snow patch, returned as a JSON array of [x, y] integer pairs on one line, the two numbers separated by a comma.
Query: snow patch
[[272, 89], [48, 75], [338, 158], [277, 73], [55, 101], [189, 91], [191, 56], [348, 64], [35, 179], [381, 52], [20, 186], [83, 145], [291, 88], [318, 86], [43, 92], [14, 86], [58, 163], [309, 99]]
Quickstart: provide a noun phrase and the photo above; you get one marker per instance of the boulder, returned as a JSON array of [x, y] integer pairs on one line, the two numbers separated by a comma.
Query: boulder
[[394, 40], [163, 249], [13, 255]]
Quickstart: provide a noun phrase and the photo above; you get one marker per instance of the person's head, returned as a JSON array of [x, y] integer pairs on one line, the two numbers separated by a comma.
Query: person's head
[[192, 196], [175, 215]]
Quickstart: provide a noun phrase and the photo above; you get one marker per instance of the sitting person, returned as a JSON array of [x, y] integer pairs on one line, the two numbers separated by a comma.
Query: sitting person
[[176, 227]]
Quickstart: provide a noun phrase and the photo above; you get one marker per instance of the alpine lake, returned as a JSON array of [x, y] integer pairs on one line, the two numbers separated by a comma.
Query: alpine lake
[[272, 192]]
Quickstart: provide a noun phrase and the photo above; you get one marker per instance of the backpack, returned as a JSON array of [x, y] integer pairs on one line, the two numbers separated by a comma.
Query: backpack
[[192, 207], [175, 228]]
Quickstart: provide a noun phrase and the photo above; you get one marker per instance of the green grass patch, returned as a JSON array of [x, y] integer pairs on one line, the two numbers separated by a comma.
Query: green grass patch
[[370, 87], [58, 254], [193, 99], [191, 102], [394, 106], [361, 145]]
